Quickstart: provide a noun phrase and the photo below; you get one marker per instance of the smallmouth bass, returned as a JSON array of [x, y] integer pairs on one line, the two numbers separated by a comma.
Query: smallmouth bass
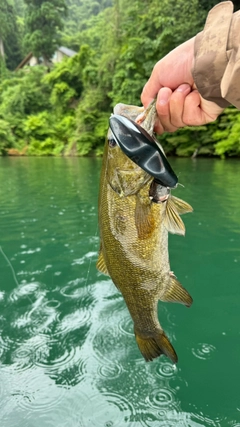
[[134, 238]]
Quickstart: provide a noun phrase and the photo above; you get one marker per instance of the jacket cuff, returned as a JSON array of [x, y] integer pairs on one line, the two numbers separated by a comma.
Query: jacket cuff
[[210, 51]]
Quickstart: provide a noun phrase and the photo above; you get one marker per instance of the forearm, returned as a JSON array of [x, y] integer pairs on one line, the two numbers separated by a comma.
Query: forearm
[[216, 70]]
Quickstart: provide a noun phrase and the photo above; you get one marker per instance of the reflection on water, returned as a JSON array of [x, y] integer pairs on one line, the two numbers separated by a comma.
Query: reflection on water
[[68, 355]]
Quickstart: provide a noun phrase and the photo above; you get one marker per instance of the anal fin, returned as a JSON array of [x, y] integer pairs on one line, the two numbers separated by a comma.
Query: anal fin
[[176, 293]]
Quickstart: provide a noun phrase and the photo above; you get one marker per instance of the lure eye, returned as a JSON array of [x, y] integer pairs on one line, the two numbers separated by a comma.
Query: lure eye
[[112, 143]]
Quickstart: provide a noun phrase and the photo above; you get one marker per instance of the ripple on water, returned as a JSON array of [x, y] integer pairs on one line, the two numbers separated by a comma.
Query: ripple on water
[[153, 419], [23, 290], [126, 326], [73, 288], [161, 398], [36, 391], [111, 370], [40, 316], [203, 351], [25, 355], [85, 258], [5, 344], [175, 418], [110, 408], [82, 368], [2, 390], [54, 354], [23, 358], [75, 320], [166, 370], [112, 340]]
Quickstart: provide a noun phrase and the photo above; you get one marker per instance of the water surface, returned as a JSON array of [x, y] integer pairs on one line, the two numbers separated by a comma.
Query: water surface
[[68, 356]]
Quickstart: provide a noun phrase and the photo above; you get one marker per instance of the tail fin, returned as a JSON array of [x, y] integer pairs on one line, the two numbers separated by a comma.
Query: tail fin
[[153, 346]]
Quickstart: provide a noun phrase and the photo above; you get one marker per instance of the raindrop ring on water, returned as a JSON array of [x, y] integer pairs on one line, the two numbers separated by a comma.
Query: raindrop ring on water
[[161, 398], [166, 370], [203, 351]]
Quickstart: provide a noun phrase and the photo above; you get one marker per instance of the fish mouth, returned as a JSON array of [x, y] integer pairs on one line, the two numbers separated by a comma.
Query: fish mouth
[[164, 198], [161, 199]]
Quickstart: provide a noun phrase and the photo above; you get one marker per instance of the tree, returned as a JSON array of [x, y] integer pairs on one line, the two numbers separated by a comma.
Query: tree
[[19, 7], [9, 35], [43, 22]]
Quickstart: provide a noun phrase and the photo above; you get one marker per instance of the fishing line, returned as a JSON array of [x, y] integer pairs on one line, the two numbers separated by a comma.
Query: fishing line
[[97, 227], [10, 265], [13, 272]]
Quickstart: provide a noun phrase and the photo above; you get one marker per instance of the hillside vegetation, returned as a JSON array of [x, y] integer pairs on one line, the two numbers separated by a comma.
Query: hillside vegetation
[[63, 109]]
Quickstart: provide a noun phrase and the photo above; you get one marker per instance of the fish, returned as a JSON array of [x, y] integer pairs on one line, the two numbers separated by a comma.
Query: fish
[[135, 215]]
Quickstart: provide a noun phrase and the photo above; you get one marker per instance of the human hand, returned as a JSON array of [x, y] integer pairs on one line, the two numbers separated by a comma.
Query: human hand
[[183, 107], [170, 72], [178, 103]]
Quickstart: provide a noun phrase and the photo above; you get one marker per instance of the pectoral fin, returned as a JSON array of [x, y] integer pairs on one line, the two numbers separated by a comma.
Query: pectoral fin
[[101, 265], [153, 346], [176, 293], [174, 208], [180, 206], [144, 219]]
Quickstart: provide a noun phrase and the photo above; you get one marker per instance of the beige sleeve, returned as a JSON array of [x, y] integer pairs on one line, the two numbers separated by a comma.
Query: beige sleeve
[[217, 56]]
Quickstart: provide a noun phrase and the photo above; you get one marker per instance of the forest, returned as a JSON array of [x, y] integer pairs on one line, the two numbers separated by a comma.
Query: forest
[[63, 108]]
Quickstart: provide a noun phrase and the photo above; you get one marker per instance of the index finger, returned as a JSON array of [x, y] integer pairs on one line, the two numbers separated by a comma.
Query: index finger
[[151, 88]]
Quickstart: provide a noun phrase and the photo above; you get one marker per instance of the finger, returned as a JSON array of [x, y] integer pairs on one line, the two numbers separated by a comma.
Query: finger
[[176, 105], [152, 87], [198, 111], [162, 105], [210, 110], [192, 112]]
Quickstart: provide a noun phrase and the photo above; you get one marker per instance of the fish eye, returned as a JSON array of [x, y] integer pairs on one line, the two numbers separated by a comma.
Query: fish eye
[[112, 143]]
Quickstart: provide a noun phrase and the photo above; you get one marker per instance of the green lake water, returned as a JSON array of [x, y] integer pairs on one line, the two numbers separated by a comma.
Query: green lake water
[[68, 356]]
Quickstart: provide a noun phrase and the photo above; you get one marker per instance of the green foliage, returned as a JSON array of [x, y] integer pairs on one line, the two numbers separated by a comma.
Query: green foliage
[[228, 134], [65, 80], [23, 94], [37, 117], [190, 141], [9, 34], [38, 126], [6, 137], [81, 11], [63, 109], [91, 123], [19, 7], [43, 21], [3, 69]]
